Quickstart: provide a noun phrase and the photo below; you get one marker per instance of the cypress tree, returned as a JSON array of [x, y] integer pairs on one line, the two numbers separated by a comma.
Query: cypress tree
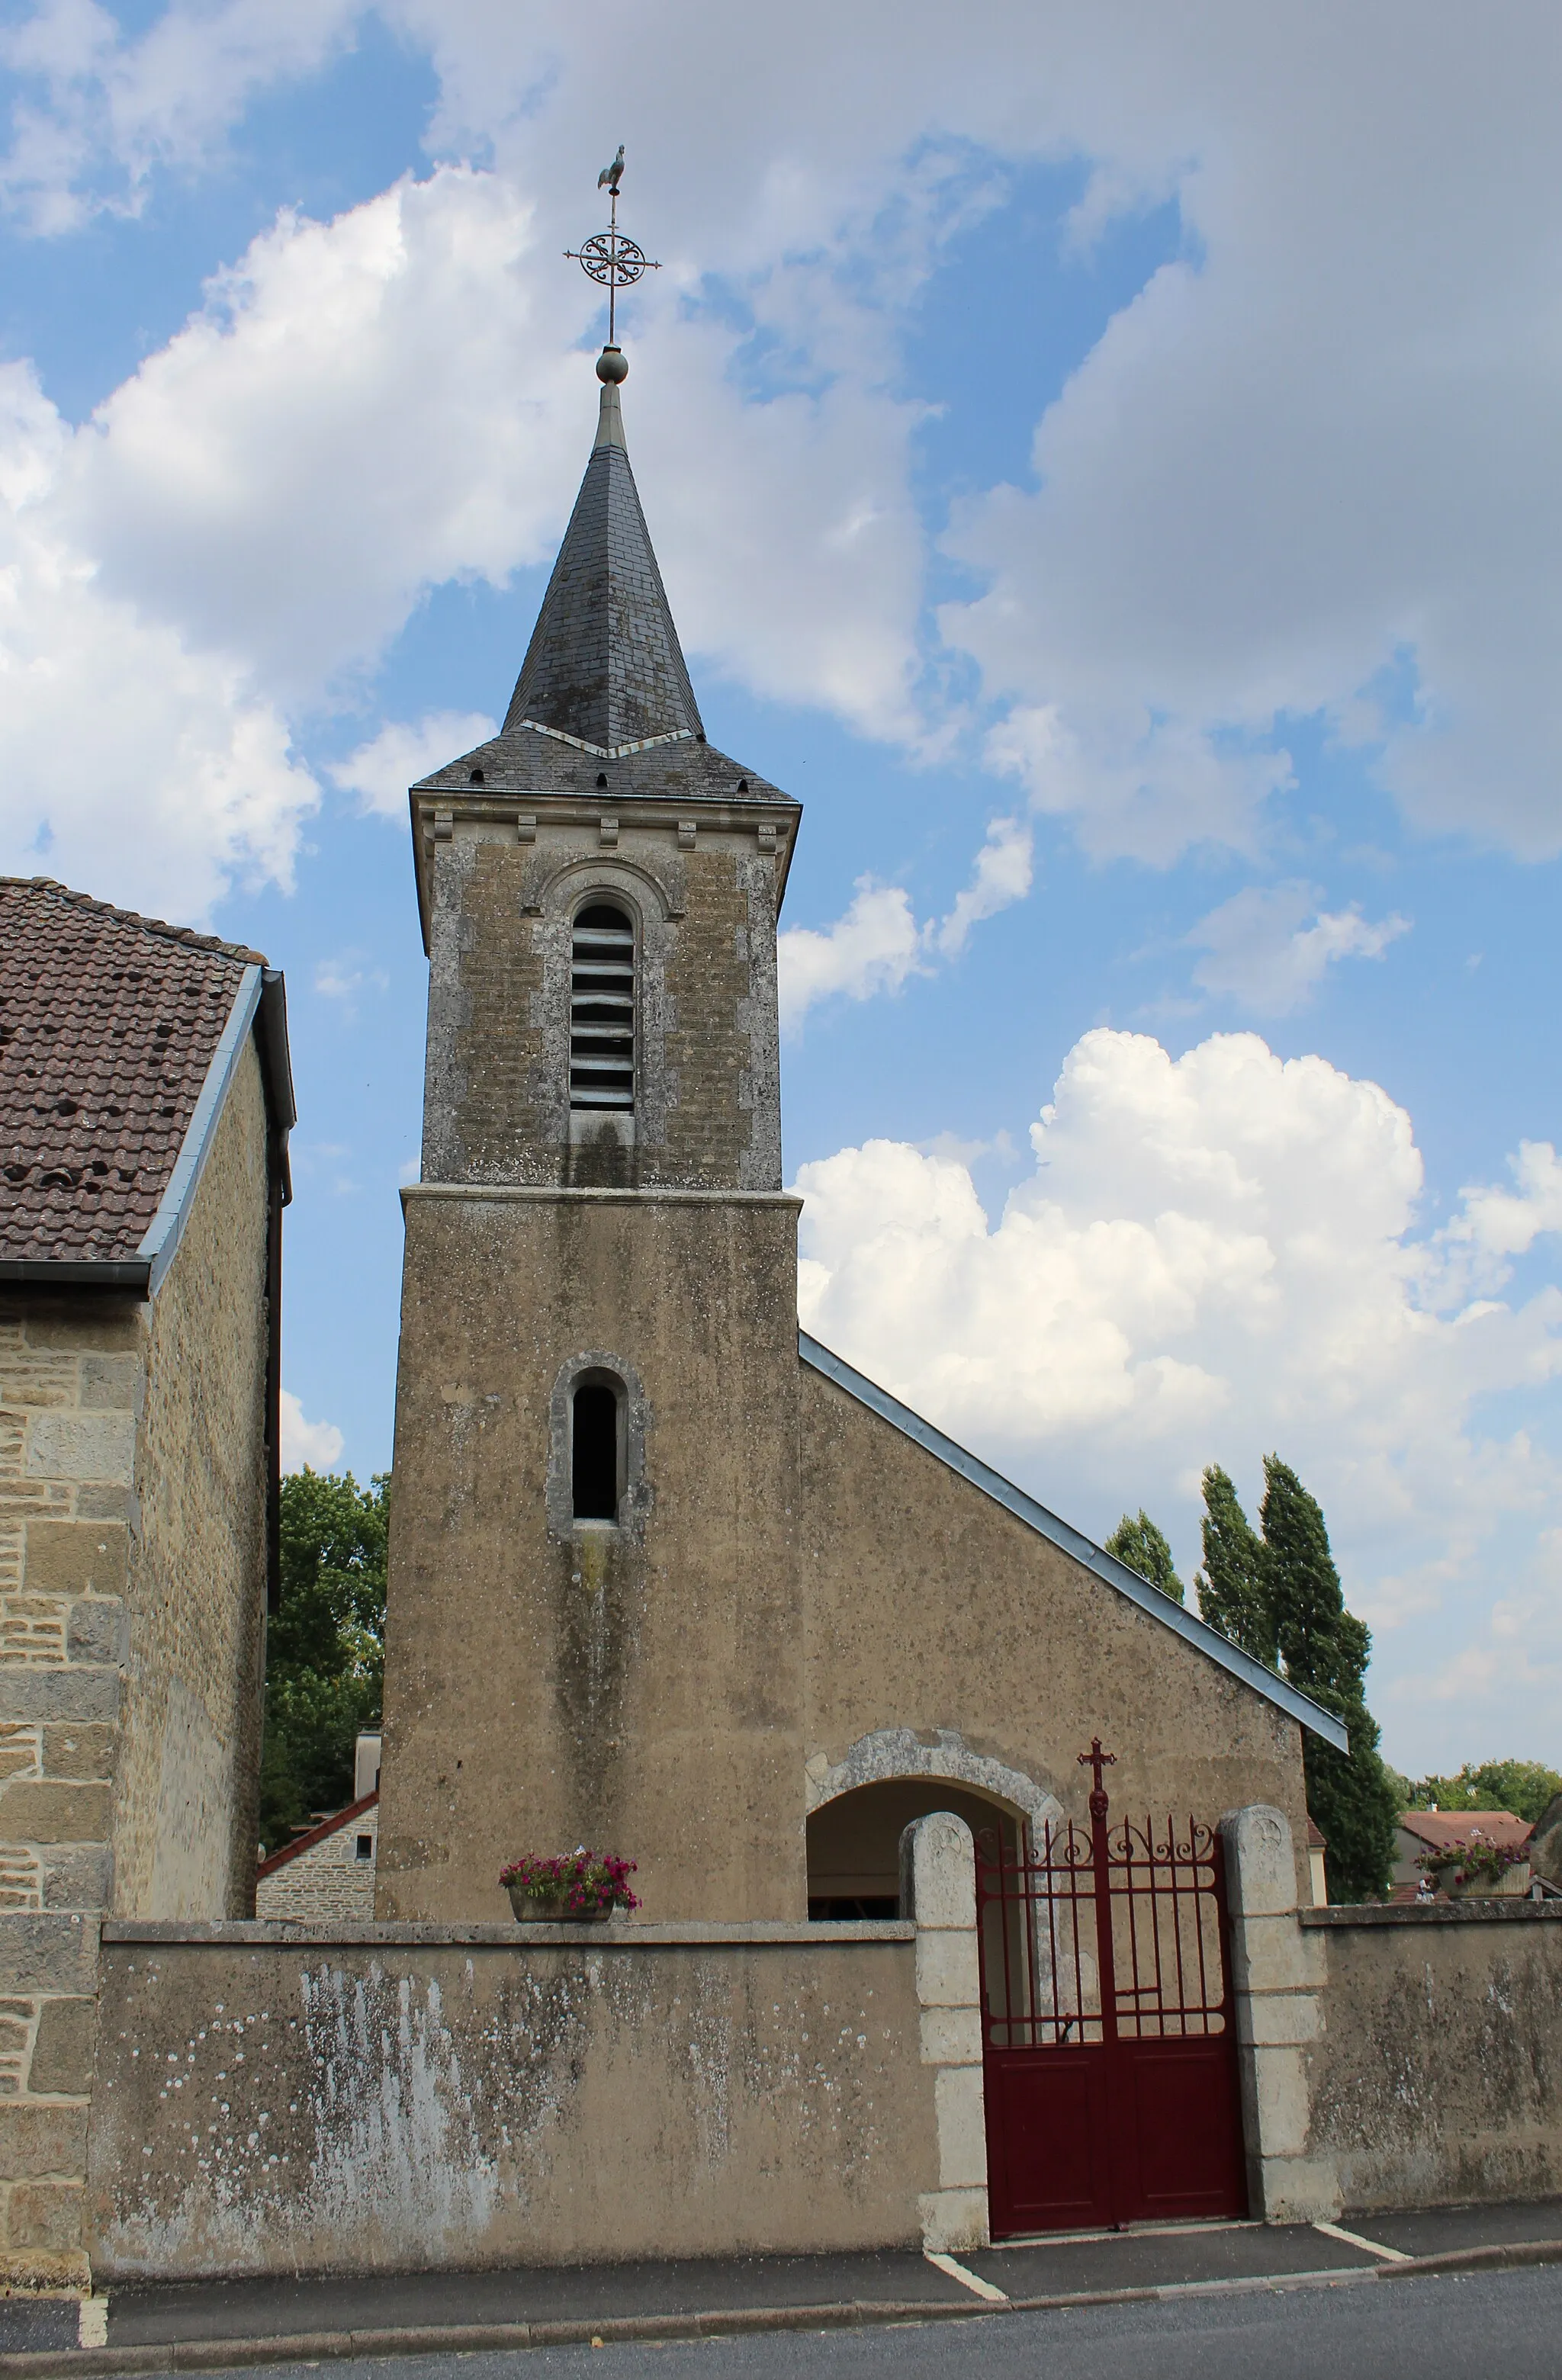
[[1324, 1649], [1141, 1545], [1232, 1591]]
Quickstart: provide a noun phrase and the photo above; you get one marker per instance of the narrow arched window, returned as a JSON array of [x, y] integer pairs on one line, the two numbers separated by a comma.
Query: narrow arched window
[[602, 1009], [593, 1451]]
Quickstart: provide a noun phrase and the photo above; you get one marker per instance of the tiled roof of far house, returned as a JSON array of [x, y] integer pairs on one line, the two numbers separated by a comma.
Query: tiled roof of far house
[[1438, 1829], [604, 663], [109, 1022]]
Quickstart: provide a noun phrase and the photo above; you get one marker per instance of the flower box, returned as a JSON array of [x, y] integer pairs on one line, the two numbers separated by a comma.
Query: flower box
[[577, 1888], [532, 1909]]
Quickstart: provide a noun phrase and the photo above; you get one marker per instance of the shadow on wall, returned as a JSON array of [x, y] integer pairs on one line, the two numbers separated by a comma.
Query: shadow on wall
[[854, 1841]]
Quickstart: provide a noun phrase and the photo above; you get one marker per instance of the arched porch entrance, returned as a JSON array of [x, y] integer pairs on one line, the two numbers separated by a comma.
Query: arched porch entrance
[[854, 1841], [859, 1807]]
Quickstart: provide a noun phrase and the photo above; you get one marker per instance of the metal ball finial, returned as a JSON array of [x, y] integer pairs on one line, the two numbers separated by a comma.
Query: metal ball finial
[[613, 365]]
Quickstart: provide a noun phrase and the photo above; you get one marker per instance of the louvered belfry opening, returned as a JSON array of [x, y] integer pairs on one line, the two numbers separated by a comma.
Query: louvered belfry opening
[[602, 1009]]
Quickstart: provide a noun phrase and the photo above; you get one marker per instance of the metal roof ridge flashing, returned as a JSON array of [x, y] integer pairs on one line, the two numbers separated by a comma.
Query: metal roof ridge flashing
[[1069, 1540], [166, 1228]]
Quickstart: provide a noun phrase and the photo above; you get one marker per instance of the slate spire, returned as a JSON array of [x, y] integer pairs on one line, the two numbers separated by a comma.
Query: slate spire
[[605, 661]]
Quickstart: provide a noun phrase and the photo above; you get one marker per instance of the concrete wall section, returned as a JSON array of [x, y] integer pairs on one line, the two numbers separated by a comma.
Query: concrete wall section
[[634, 1688], [1438, 2077], [275, 2105], [932, 1609], [189, 1771]]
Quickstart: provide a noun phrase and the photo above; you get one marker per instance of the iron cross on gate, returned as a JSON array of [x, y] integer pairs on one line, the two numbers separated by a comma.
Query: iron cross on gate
[[1095, 1760]]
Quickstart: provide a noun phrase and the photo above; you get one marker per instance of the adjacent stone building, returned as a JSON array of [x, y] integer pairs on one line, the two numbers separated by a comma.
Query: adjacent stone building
[[145, 1100], [327, 1871], [665, 1577]]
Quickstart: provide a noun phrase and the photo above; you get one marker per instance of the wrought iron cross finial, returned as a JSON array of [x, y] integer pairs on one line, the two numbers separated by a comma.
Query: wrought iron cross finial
[[611, 257], [1095, 1760]]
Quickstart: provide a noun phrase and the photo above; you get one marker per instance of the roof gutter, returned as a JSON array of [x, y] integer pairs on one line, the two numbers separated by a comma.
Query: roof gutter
[[1197, 1632], [271, 1032], [166, 1229], [54, 1273]]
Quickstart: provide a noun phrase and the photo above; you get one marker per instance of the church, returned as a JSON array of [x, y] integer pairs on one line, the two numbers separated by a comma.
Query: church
[[667, 1577], [974, 1888]]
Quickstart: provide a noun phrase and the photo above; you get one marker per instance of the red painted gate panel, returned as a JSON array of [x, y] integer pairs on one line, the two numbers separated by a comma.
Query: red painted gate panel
[[1108, 2032]]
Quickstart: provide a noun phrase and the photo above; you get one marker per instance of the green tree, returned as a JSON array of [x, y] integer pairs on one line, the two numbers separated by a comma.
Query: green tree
[[1324, 1649], [1525, 1787], [1141, 1545], [325, 1656], [1233, 1590]]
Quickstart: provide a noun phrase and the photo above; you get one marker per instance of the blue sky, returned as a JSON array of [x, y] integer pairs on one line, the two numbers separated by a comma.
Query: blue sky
[[1105, 467]]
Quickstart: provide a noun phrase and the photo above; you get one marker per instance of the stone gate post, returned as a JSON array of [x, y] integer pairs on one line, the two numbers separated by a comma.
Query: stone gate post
[[938, 1890], [1277, 1977]]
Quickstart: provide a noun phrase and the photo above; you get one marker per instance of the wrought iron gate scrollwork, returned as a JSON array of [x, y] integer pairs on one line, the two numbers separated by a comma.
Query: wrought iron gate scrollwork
[[1108, 2028]]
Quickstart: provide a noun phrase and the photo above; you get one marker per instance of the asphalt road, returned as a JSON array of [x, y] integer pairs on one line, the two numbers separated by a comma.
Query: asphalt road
[[1503, 2326]]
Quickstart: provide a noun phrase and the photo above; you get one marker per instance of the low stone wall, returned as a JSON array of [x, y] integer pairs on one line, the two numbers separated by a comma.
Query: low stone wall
[[1436, 2078], [305, 2098]]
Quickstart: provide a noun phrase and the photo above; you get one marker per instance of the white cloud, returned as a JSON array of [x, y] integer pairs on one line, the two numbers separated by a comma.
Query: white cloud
[[99, 112], [1261, 950], [1216, 1256], [132, 764], [382, 769], [1001, 876], [346, 976], [317, 1443], [878, 945], [873, 948], [1284, 471]]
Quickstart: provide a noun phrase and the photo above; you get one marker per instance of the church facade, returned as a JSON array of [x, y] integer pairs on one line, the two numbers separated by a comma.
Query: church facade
[[667, 1577], [671, 1580]]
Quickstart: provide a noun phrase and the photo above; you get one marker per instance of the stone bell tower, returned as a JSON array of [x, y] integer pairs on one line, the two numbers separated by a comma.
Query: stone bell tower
[[594, 1632]]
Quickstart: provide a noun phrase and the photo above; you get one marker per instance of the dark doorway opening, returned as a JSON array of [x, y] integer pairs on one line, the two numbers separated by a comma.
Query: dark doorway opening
[[595, 1452], [854, 1841]]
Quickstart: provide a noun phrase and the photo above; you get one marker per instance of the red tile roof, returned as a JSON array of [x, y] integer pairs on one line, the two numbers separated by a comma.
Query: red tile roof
[[316, 1835], [1438, 1829], [108, 1025]]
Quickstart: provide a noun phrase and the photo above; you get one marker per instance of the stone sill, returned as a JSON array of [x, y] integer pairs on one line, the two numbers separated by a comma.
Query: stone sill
[[1509, 1911], [280, 1932]]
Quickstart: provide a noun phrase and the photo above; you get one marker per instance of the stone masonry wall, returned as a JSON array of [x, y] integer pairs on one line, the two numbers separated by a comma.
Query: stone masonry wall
[[131, 1576], [707, 1100], [188, 1780], [327, 1881], [71, 1387]]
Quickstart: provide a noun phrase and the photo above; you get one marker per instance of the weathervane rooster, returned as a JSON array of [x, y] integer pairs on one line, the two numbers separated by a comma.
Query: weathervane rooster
[[616, 262]]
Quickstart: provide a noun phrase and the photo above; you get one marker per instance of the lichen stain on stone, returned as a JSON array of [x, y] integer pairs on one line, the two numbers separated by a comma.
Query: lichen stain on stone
[[597, 1573], [380, 2108], [393, 2123]]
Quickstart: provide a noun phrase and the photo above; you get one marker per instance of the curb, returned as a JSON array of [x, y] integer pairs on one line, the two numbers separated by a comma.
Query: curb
[[467, 2338]]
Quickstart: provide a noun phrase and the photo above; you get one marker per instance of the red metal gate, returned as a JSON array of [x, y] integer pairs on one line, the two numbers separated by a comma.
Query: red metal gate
[[1108, 2035]]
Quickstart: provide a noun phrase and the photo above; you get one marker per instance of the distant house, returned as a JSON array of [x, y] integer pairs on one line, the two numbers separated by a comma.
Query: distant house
[[146, 1101], [1317, 1853], [328, 1871], [1422, 1831]]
